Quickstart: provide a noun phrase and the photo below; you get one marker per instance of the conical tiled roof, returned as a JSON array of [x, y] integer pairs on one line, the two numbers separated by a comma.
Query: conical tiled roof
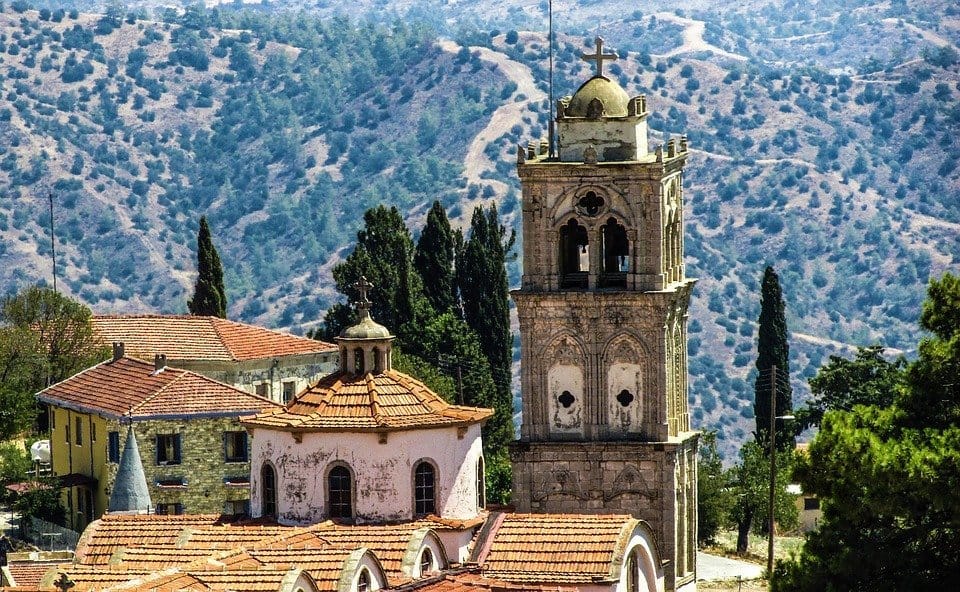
[[373, 402], [130, 492]]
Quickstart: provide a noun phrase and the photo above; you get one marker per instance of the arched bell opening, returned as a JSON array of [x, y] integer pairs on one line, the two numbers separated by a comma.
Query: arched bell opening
[[614, 255], [574, 255]]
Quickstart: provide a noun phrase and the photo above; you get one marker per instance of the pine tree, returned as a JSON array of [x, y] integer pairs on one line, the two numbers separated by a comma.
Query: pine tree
[[209, 295], [482, 278], [773, 350], [434, 260]]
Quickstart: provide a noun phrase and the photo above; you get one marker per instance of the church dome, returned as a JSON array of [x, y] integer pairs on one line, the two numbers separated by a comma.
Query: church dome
[[612, 98], [367, 328], [387, 401]]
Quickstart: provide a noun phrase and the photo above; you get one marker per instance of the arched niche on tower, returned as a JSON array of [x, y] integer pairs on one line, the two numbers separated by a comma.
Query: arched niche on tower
[[574, 254], [564, 360], [627, 391], [614, 254]]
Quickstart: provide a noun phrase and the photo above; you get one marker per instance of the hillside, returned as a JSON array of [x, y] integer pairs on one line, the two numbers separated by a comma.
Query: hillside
[[824, 141]]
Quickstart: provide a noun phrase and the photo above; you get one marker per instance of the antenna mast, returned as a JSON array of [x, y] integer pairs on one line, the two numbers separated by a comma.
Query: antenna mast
[[550, 128], [53, 242]]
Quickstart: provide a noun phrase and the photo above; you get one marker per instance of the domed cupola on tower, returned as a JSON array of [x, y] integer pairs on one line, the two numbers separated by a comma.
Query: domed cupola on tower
[[601, 122], [365, 348]]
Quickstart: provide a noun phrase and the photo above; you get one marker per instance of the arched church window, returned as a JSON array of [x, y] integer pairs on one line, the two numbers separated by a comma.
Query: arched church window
[[574, 255], [268, 490], [358, 361], [424, 488], [426, 562], [363, 581], [340, 492], [615, 254]]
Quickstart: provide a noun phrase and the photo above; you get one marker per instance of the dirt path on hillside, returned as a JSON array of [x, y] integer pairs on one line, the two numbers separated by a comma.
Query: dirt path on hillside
[[927, 35], [693, 40], [475, 161]]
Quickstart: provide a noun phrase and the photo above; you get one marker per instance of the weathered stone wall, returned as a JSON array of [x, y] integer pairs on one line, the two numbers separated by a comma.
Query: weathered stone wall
[[381, 465], [652, 481], [203, 465], [581, 342], [303, 370]]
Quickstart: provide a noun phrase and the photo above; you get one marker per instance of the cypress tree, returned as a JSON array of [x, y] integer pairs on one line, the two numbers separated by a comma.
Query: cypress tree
[[482, 277], [209, 295], [384, 254], [773, 350], [434, 260]]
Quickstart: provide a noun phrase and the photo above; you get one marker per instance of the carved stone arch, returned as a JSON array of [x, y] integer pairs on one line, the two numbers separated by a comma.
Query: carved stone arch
[[564, 348], [615, 203], [623, 342]]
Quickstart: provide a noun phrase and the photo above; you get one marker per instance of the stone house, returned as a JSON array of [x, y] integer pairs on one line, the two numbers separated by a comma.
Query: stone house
[[193, 450], [269, 363]]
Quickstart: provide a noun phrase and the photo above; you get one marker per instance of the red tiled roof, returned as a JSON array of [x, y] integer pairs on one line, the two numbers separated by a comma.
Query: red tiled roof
[[557, 548], [132, 388], [382, 402], [112, 532], [471, 582], [30, 573], [186, 337]]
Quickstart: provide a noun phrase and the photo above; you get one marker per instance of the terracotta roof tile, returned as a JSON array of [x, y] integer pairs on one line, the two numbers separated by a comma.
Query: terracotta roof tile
[[382, 402], [186, 337], [471, 582], [556, 548], [30, 573], [132, 388], [103, 537]]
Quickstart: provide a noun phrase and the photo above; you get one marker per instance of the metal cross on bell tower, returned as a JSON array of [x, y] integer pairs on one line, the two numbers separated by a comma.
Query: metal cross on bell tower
[[599, 56]]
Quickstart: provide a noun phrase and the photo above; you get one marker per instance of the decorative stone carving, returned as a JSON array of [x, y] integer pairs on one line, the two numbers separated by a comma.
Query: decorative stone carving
[[630, 480], [559, 481]]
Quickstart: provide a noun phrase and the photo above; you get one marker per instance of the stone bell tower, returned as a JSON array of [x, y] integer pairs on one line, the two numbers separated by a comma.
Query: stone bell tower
[[603, 324]]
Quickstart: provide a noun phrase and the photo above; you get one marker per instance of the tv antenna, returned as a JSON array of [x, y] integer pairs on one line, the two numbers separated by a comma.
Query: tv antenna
[[550, 128]]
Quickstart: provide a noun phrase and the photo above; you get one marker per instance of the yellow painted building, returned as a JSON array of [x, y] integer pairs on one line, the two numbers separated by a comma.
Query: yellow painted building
[[194, 452]]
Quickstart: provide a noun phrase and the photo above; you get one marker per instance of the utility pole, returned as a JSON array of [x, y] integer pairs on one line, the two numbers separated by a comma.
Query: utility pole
[[773, 465], [53, 243]]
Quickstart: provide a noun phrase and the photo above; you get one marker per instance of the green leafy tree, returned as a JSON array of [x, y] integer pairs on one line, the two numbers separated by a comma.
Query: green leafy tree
[[209, 296], [484, 291], [751, 487], [41, 502], [433, 260], [773, 350], [45, 337], [715, 497], [868, 379], [887, 476]]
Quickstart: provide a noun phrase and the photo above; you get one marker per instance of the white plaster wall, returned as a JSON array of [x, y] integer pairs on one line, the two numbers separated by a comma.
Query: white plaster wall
[[622, 377], [560, 378], [650, 576], [575, 136], [383, 473]]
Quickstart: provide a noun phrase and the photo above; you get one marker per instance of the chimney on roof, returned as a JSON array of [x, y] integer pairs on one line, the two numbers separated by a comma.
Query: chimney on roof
[[117, 350], [159, 363]]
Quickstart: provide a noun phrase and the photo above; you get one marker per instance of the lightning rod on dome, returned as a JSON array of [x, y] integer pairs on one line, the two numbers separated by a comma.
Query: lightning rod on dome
[[550, 127]]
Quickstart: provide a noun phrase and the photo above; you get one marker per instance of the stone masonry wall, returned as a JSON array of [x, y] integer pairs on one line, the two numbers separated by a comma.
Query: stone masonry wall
[[654, 482]]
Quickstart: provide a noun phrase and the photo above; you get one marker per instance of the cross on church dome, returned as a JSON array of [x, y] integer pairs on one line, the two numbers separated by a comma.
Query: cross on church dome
[[363, 303], [599, 56]]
